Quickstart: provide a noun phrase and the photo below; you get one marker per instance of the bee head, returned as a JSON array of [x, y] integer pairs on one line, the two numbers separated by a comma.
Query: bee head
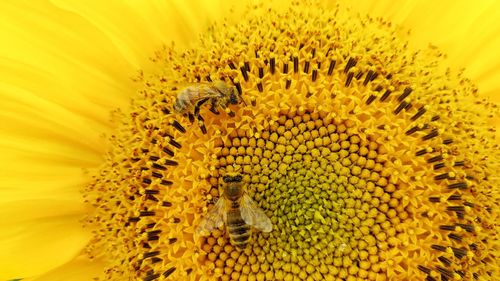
[[233, 98], [232, 178]]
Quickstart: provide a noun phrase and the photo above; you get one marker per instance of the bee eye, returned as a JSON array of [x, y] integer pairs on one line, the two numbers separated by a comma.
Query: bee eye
[[238, 178], [233, 99], [226, 178]]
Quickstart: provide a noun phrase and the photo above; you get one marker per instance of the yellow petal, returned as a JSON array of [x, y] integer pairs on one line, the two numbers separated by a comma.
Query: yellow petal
[[78, 269], [39, 235]]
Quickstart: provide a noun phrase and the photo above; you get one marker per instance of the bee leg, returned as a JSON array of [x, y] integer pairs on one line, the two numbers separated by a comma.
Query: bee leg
[[198, 106], [201, 123], [213, 108]]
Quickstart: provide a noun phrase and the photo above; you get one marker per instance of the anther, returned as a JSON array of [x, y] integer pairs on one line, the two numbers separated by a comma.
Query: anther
[[331, 67], [454, 197], [295, 64], [151, 277], [370, 99], [438, 166], [406, 92], [459, 253], [238, 87], [314, 75], [458, 185], [153, 238], [421, 152], [444, 260], [350, 63], [150, 254], [156, 260], [166, 182], [412, 130], [432, 134], [469, 204], [386, 94], [348, 80], [435, 159], [445, 272], [178, 126], [151, 191], [438, 248], [272, 65], [203, 129], [441, 176], [435, 199], [447, 227], [400, 107], [134, 219], [170, 162], [424, 269], [447, 141], [146, 213], [159, 167], [359, 75], [244, 73], [456, 208], [259, 87], [156, 175], [174, 143], [152, 198], [368, 77], [467, 227], [455, 237], [306, 67], [169, 272]]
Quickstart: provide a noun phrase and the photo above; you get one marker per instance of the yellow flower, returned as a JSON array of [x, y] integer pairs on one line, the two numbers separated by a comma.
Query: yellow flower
[[370, 160]]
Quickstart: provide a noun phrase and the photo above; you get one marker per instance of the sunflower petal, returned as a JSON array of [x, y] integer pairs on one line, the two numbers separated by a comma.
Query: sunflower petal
[[39, 235]]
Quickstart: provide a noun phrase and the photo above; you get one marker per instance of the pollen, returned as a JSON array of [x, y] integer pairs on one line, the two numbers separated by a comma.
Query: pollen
[[372, 160]]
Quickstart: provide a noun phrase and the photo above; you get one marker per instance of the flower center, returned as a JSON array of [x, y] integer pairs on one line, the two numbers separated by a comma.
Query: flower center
[[370, 160], [326, 191]]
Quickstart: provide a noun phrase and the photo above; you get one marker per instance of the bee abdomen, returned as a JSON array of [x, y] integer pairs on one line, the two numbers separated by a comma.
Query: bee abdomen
[[240, 236], [239, 232]]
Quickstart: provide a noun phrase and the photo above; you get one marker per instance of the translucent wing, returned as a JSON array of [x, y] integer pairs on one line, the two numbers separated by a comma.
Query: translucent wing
[[253, 215], [214, 219]]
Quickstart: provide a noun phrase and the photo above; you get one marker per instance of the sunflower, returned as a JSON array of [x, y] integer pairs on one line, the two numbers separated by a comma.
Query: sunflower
[[369, 149]]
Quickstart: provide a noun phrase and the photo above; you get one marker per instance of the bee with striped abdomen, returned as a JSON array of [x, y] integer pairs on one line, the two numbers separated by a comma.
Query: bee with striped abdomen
[[190, 99], [238, 211]]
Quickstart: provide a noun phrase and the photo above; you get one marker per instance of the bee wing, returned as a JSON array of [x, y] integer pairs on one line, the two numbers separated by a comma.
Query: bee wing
[[214, 219], [253, 215]]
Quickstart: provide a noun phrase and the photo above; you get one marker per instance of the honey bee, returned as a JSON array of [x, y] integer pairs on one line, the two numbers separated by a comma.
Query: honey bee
[[238, 211], [190, 99]]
